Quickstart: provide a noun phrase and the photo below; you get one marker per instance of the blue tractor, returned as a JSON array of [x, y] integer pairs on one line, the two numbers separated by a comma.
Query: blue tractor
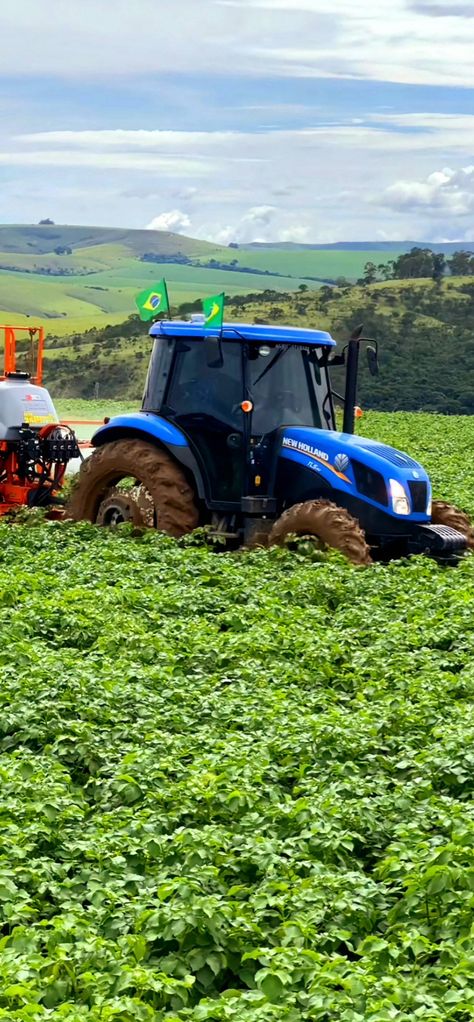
[[237, 432]]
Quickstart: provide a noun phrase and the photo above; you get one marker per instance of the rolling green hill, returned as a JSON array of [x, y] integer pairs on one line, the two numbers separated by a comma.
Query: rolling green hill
[[81, 277], [426, 337], [44, 238]]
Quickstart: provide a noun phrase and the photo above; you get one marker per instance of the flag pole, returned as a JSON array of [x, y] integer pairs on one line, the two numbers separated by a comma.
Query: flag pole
[[165, 288]]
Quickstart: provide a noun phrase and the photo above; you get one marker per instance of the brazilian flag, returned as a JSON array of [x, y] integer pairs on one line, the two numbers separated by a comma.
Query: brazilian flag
[[153, 301], [213, 309]]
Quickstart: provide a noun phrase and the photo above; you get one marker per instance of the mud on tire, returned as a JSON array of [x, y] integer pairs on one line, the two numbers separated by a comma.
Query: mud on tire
[[447, 514], [331, 524], [173, 498]]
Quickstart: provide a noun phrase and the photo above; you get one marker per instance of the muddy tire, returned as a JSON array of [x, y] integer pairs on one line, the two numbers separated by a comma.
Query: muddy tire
[[118, 507], [172, 496], [447, 514], [332, 525]]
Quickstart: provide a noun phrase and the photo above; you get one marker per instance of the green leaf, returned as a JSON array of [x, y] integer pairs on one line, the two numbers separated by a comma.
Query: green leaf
[[272, 987]]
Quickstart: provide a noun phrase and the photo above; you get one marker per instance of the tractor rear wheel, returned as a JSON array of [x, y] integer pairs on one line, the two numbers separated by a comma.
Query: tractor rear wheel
[[447, 514], [329, 523], [161, 495]]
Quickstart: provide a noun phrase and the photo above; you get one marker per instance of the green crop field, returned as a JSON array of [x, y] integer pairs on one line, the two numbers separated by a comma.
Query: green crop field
[[237, 786], [81, 301], [316, 263]]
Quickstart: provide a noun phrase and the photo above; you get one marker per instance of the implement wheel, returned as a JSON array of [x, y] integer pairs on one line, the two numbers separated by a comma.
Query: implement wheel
[[329, 523], [159, 495], [447, 514]]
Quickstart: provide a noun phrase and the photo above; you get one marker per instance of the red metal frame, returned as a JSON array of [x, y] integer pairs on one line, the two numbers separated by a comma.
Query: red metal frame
[[10, 338], [14, 491]]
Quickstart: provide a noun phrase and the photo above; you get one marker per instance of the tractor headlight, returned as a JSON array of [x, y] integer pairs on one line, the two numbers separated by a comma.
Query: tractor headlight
[[400, 502]]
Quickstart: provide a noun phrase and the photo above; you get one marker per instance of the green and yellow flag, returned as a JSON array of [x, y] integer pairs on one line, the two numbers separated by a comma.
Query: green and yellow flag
[[153, 301], [213, 309]]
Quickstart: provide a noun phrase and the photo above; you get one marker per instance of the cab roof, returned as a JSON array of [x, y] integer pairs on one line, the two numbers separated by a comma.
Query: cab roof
[[260, 333]]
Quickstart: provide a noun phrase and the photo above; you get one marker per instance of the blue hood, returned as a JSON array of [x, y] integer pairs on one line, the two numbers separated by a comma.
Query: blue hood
[[330, 455]]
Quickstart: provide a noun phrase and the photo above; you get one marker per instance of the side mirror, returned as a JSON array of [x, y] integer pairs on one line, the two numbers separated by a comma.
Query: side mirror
[[372, 360], [214, 357]]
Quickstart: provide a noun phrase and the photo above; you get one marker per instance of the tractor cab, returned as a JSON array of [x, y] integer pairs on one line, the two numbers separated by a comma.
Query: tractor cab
[[237, 390]]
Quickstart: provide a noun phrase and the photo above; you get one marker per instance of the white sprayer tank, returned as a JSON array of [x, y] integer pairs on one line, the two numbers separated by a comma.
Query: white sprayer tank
[[22, 403]]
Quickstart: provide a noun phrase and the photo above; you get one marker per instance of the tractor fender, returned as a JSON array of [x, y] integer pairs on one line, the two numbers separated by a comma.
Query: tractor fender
[[156, 430]]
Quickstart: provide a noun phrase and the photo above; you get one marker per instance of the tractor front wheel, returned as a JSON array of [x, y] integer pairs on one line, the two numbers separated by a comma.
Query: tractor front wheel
[[332, 525], [154, 491], [447, 514]]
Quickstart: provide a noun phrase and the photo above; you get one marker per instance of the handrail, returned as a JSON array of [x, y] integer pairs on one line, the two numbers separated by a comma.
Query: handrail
[[9, 363]]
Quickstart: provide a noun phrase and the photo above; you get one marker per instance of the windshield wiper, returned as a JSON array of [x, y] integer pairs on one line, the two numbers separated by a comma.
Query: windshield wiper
[[270, 365]]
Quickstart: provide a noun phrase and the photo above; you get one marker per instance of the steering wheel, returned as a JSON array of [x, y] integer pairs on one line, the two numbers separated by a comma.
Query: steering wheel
[[201, 398], [286, 399]]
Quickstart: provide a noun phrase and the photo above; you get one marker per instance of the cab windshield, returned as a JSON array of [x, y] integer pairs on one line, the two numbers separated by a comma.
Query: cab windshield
[[287, 386]]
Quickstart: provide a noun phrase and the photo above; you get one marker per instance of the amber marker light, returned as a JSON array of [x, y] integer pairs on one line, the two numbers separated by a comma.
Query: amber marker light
[[358, 412], [247, 406]]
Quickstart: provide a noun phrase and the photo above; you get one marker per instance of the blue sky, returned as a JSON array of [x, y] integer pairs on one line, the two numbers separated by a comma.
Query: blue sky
[[240, 120]]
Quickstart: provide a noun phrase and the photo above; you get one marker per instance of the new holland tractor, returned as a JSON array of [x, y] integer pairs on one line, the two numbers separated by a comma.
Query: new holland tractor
[[237, 432]]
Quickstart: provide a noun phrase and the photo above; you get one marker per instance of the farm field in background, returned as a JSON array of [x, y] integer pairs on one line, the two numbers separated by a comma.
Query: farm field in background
[[322, 263], [71, 303], [95, 279], [237, 786]]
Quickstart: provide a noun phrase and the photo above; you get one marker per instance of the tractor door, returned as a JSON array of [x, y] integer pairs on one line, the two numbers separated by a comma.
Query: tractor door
[[204, 400]]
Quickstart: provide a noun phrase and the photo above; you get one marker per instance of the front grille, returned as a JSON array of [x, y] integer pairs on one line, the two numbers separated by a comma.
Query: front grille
[[369, 482], [419, 496]]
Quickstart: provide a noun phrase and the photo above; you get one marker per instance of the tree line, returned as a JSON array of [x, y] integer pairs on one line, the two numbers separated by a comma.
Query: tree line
[[420, 262]]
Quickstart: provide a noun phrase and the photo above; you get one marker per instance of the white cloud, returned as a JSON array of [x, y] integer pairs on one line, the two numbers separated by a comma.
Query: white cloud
[[422, 41], [175, 220], [295, 233], [404, 133], [380, 39], [320, 183], [119, 138], [446, 192], [256, 224], [150, 162]]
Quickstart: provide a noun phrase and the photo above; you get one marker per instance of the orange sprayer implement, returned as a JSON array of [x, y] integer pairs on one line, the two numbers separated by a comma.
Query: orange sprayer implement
[[35, 447]]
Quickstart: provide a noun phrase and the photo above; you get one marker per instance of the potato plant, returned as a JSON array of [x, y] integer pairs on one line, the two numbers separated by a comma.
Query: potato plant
[[236, 786]]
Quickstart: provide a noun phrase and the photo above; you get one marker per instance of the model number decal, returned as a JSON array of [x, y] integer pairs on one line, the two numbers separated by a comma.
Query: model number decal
[[298, 445]]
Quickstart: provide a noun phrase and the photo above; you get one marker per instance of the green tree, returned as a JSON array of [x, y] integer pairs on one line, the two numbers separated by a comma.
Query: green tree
[[418, 262], [370, 273], [439, 267], [461, 264]]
